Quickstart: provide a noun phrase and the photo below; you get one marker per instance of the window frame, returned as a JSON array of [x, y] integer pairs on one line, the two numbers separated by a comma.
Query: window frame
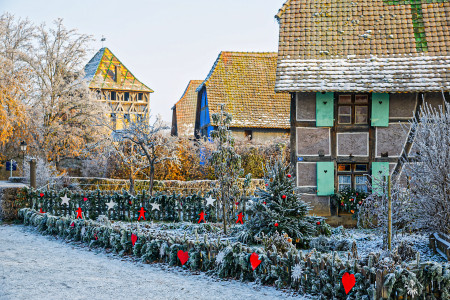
[[353, 173], [353, 104]]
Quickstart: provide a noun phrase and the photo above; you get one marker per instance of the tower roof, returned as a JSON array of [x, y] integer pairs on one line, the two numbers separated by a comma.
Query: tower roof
[[100, 71]]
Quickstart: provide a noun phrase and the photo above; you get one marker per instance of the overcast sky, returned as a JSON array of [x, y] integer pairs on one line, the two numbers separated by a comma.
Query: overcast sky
[[164, 43]]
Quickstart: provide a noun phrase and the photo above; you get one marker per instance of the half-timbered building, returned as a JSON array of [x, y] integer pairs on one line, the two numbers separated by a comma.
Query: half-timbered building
[[357, 72], [113, 83]]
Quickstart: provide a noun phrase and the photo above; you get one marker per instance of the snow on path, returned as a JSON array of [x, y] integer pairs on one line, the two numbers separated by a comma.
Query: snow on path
[[33, 266]]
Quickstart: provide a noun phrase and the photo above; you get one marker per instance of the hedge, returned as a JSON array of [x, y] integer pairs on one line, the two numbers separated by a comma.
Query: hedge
[[314, 273]]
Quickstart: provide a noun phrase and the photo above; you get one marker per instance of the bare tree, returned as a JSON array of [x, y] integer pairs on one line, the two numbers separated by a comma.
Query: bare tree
[[147, 139], [421, 193], [429, 171]]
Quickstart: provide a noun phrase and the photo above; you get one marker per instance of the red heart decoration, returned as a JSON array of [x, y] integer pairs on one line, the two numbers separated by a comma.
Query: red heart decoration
[[267, 184], [85, 199], [318, 223], [254, 260], [284, 196], [73, 224], [41, 211], [289, 176], [183, 256], [348, 280], [276, 224], [133, 238], [41, 194]]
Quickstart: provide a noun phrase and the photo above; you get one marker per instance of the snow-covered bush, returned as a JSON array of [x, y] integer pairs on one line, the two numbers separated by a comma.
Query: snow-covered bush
[[421, 193]]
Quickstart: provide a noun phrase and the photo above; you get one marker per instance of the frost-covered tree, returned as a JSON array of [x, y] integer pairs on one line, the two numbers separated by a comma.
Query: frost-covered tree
[[150, 142], [226, 162], [15, 37], [429, 170], [277, 208], [420, 195], [62, 109]]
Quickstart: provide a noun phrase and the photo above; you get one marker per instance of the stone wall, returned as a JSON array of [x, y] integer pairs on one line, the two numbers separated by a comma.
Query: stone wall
[[8, 209]]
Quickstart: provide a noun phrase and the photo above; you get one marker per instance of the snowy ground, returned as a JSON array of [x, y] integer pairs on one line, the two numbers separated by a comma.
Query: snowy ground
[[371, 240], [33, 266]]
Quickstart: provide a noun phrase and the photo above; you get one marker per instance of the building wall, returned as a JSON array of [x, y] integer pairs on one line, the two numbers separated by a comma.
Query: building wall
[[363, 144], [124, 105], [260, 134]]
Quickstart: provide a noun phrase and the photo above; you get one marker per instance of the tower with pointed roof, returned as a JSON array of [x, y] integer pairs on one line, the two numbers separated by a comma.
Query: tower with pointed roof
[[126, 96]]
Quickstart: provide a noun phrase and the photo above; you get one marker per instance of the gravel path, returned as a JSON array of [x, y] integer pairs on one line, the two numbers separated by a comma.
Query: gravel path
[[33, 266]]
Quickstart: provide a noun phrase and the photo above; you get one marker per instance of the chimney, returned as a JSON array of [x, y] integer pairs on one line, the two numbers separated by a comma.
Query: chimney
[[118, 73]]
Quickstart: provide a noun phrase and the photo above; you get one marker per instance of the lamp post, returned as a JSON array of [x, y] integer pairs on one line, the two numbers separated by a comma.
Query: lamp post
[[23, 147]]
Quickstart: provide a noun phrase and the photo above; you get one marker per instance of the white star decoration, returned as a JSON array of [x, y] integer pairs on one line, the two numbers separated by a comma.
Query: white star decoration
[[65, 200], [210, 201], [111, 204], [155, 206]]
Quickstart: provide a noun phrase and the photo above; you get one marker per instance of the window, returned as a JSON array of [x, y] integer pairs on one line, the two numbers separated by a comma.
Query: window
[[352, 176], [113, 95], [127, 96], [248, 134], [353, 109], [140, 96]]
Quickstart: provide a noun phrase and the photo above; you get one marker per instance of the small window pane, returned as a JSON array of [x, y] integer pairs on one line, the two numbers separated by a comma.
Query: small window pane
[[361, 114], [345, 120], [345, 182], [361, 184], [360, 168], [361, 99], [344, 167], [345, 114], [345, 110], [345, 99]]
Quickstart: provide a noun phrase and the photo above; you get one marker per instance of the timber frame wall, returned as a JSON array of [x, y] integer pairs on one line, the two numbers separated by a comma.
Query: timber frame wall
[[124, 105], [316, 148]]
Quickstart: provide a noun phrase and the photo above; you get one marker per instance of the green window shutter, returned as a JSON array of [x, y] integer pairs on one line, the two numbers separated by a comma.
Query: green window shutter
[[380, 170], [325, 178], [324, 109], [380, 109]]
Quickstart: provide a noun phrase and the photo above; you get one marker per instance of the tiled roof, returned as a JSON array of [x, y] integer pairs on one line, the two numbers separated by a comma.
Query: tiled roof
[[364, 45], [186, 108], [245, 83], [100, 72]]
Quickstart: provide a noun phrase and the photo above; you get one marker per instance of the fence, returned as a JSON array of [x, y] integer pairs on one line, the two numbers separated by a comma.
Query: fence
[[313, 273], [172, 208], [440, 243]]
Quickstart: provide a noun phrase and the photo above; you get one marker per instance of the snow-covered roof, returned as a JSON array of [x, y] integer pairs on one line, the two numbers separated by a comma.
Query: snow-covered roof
[[364, 46]]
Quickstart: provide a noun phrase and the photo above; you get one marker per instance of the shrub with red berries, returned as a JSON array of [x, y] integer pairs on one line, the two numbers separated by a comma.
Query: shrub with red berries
[[350, 200]]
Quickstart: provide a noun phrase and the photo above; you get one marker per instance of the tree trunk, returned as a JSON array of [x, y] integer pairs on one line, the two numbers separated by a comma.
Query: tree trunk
[[224, 208], [132, 179], [152, 175]]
